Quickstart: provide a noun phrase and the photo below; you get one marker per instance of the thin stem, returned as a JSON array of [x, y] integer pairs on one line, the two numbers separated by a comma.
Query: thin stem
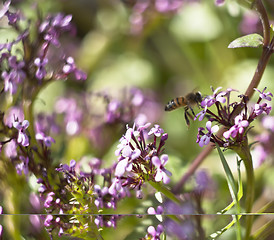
[[259, 71], [244, 153], [258, 5]]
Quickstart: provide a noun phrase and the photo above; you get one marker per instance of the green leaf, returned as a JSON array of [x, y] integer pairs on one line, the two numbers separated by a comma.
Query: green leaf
[[240, 191], [229, 175], [232, 188], [252, 40], [217, 234]]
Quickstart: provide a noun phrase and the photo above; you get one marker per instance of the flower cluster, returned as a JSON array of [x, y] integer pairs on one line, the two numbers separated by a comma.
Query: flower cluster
[[29, 69], [233, 116], [24, 73], [61, 204], [140, 161]]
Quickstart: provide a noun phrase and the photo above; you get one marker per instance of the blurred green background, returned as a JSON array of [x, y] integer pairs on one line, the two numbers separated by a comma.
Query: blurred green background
[[172, 56]]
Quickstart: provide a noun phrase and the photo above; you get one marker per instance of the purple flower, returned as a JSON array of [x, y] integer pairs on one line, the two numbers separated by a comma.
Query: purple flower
[[161, 172], [53, 26], [139, 194], [23, 166], [12, 17], [13, 114], [22, 138], [264, 95], [152, 211], [158, 213], [61, 21], [210, 100], [106, 221], [48, 221], [201, 114], [5, 8], [143, 127], [260, 108], [128, 152], [41, 70], [156, 130], [124, 141], [10, 86], [61, 232], [136, 158], [10, 149], [164, 137], [100, 199], [123, 166], [67, 168], [155, 233], [46, 139], [116, 187], [70, 67], [205, 139], [49, 200], [14, 76], [239, 127]]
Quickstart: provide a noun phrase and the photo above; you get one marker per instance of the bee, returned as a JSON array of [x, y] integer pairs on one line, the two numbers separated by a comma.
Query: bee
[[190, 100]]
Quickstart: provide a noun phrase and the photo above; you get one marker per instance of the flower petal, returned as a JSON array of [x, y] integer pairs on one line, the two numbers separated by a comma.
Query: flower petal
[[156, 161], [121, 167]]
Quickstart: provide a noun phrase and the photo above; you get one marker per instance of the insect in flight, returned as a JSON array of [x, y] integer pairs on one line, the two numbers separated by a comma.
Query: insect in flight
[[188, 101]]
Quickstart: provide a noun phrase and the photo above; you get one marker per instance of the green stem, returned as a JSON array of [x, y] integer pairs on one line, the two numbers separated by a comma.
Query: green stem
[[245, 155]]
